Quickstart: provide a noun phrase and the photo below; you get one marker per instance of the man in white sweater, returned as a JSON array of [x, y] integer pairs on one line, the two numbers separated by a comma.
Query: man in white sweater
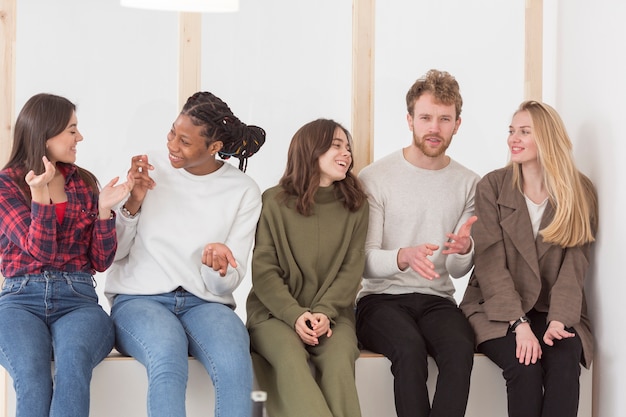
[[421, 213]]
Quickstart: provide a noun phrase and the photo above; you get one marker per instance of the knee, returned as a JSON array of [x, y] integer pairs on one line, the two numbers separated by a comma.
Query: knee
[[409, 356], [166, 358], [566, 370], [31, 373], [288, 358], [521, 374], [347, 354], [340, 359], [167, 368], [150, 343], [458, 354], [238, 335], [32, 384]]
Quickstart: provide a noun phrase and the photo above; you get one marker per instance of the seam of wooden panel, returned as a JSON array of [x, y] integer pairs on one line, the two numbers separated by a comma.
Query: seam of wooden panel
[[363, 23], [7, 110], [533, 50], [7, 84], [190, 33]]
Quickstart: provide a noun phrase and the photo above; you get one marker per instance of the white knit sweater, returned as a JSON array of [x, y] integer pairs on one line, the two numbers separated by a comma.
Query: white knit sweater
[[161, 248], [410, 206]]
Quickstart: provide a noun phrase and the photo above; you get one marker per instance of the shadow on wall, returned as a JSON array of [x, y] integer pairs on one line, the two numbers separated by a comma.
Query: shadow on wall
[[596, 166]]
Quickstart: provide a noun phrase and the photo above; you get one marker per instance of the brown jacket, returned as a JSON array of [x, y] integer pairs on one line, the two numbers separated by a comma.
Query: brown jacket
[[514, 272]]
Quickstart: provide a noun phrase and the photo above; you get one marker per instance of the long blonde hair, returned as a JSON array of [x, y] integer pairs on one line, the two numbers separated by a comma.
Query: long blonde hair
[[571, 193]]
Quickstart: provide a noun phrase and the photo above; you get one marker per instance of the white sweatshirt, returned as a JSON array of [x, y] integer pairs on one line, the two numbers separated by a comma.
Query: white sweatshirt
[[161, 248]]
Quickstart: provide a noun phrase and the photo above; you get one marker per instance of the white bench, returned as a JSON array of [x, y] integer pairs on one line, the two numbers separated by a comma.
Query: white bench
[[119, 384], [487, 390]]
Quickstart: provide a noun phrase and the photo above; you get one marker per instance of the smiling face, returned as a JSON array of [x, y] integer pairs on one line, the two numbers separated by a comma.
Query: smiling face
[[521, 140], [188, 148], [433, 124], [62, 147], [335, 162]]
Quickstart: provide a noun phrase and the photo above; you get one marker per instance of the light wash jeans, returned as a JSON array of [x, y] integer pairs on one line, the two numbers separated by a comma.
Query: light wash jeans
[[161, 331], [52, 315]]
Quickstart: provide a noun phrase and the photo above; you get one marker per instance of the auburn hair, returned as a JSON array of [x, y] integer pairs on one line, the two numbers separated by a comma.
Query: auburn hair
[[301, 178]]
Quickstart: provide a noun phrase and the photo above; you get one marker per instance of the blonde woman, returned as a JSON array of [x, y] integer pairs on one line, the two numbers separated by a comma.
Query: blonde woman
[[525, 300]]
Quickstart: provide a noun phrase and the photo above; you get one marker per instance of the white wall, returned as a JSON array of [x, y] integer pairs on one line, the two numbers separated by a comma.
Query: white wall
[[481, 43], [281, 63], [590, 91], [278, 65]]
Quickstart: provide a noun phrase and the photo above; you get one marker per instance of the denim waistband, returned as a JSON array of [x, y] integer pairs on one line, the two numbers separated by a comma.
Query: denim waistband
[[53, 276]]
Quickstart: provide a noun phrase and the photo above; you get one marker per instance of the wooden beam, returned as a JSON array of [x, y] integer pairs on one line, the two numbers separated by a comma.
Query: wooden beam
[[190, 33], [7, 81], [533, 50], [363, 23], [7, 112]]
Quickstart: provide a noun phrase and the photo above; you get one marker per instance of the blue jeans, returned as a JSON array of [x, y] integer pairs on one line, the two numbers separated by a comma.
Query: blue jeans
[[161, 331], [52, 315]]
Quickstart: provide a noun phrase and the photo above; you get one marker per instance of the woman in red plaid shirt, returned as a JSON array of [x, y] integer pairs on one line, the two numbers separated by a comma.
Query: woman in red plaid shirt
[[56, 230]]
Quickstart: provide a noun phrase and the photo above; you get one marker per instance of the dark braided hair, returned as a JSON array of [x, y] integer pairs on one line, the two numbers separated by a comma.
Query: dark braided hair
[[220, 124]]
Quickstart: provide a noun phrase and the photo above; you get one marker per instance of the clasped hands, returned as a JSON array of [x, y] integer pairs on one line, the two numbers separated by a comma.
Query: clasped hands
[[318, 325]]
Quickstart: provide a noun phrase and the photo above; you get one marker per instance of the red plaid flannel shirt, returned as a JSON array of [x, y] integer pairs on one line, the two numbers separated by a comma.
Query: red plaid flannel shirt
[[32, 240]]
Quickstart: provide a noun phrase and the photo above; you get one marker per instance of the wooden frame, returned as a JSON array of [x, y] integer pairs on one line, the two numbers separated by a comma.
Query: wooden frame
[[533, 50], [7, 75], [190, 55], [7, 105], [363, 24]]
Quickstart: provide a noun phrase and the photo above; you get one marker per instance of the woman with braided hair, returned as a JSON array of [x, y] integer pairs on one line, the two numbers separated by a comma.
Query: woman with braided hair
[[185, 234]]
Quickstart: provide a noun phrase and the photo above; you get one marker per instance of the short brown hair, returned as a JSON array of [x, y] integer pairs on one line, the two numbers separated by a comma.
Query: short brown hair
[[441, 85]]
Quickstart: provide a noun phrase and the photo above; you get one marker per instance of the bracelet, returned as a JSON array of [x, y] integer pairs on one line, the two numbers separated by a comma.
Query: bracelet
[[126, 213], [519, 321]]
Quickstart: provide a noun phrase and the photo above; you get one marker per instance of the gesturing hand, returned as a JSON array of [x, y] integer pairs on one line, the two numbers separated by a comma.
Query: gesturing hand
[[460, 242], [139, 170], [556, 331], [111, 194], [39, 183], [416, 257], [41, 180], [218, 256]]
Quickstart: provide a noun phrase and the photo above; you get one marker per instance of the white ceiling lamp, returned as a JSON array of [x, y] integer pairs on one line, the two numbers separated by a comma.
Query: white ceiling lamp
[[199, 6]]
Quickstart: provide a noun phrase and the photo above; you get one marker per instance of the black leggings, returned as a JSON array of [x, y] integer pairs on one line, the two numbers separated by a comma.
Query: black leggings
[[548, 388], [406, 329]]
